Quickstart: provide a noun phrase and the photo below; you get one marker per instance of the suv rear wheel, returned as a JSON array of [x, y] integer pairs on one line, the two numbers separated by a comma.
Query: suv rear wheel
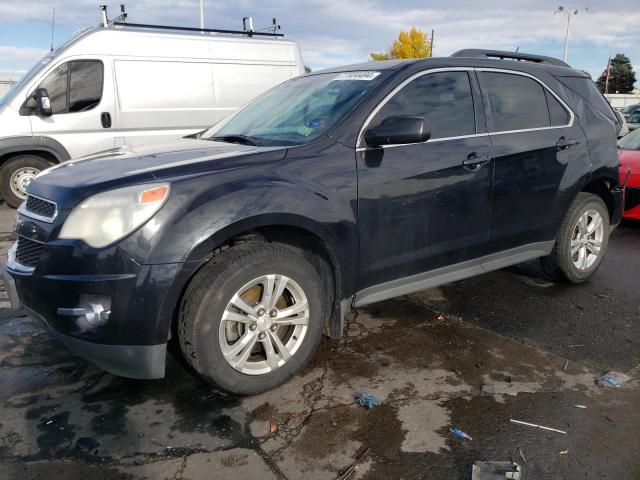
[[252, 317], [581, 241], [16, 174]]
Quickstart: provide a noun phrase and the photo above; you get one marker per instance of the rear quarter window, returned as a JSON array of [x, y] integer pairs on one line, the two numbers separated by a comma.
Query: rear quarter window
[[588, 91]]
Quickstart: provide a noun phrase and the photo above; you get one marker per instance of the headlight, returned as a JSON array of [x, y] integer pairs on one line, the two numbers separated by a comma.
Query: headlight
[[106, 217]]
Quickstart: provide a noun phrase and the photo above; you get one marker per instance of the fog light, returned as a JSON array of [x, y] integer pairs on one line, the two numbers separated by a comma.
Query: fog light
[[92, 313]]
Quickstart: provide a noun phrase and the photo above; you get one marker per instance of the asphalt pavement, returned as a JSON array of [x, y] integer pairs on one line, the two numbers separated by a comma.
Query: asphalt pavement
[[471, 355]]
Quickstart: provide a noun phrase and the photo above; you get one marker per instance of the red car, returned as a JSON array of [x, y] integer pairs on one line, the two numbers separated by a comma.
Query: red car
[[629, 149]]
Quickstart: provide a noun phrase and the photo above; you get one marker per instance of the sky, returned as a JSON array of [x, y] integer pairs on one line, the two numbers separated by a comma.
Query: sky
[[338, 32]]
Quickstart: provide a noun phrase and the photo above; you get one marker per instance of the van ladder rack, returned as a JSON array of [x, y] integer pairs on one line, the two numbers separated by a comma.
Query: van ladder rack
[[499, 54], [203, 30]]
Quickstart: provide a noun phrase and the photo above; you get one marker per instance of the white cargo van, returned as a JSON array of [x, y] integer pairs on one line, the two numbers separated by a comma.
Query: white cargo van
[[121, 84]]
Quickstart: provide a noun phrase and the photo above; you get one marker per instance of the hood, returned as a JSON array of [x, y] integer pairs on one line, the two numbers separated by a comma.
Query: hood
[[129, 165]]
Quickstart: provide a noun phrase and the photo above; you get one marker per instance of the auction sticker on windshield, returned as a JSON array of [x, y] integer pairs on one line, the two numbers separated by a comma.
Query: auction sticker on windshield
[[366, 76]]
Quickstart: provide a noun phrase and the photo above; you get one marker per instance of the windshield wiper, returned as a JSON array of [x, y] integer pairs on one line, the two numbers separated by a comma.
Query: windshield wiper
[[242, 139]]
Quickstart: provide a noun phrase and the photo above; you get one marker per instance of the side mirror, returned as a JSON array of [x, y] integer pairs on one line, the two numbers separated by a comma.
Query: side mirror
[[399, 129], [40, 102]]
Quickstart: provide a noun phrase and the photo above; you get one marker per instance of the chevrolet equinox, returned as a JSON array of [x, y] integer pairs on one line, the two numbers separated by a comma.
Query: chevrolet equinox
[[337, 189]]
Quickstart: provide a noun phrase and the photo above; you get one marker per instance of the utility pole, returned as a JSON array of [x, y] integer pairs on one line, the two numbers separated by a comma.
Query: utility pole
[[569, 14], [53, 26], [201, 14], [431, 49]]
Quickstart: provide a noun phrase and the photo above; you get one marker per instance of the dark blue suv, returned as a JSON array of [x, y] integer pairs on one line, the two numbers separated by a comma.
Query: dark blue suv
[[334, 190]]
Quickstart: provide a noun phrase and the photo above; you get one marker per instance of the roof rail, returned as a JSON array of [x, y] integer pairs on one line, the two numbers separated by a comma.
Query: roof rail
[[499, 54], [249, 33]]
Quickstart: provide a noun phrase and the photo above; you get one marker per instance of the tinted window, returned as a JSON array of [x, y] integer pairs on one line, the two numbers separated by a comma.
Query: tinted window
[[85, 85], [557, 113], [634, 118], [56, 85], [443, 98], [585, 88], [515, 102]]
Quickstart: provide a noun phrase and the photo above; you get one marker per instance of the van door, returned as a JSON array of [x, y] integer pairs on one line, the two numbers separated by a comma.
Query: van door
[[82, 105]]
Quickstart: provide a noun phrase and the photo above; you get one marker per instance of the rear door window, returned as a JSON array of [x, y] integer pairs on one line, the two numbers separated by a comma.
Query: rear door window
[[557, 113], [516, 102], [444, 98]]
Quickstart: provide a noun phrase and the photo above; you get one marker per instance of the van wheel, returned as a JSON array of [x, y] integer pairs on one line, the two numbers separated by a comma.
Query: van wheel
[[16, 174], [252, 317], [581, 242]]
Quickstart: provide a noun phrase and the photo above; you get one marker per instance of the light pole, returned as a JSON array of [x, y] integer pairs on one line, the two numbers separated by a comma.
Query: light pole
[[569, 14], [201, 14]]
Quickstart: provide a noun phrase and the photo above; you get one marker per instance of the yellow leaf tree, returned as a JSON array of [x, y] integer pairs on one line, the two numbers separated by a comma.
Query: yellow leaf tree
[[411, 44]]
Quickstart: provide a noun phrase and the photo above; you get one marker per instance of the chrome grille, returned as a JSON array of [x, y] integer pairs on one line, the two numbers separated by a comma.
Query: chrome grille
[[41, 207], [28, 252]]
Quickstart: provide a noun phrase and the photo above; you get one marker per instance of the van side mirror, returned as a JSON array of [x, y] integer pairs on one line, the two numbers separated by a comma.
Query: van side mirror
[[399, 129], [39, 102]]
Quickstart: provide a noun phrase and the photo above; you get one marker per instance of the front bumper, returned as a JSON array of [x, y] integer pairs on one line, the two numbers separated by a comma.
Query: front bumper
[[140, 300]]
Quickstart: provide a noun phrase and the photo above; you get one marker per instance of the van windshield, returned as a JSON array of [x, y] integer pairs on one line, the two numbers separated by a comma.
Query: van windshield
[[298, 111], [24, 79]]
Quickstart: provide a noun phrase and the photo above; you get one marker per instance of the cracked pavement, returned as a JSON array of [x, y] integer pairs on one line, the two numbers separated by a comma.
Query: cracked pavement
[[473, 354]]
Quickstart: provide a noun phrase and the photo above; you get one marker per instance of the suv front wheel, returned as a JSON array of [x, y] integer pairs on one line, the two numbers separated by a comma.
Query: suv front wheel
[[581, 241], [252, 317]]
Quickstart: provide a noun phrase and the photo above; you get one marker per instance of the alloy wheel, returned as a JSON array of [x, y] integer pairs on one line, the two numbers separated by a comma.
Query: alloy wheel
[[586, 240], [264, 324]]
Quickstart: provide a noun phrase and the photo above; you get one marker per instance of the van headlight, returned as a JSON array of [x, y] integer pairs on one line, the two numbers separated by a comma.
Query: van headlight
[[109, 216]]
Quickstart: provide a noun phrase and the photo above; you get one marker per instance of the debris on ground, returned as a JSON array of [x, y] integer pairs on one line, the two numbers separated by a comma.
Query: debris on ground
[[354, 466], [495, 471], [520, 422], [366, 400], [580, 406], [460, 434], [522, 455], [273, 428], [498, 387], [563, 453], [612, 379]]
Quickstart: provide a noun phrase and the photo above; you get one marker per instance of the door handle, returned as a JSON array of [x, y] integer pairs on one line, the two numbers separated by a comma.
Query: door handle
[[563, 143], [105, 118], [475, 162]]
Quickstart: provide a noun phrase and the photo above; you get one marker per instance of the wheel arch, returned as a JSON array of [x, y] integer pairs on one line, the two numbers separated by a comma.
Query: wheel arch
[[295, 231], [603, 186], [45, 147]]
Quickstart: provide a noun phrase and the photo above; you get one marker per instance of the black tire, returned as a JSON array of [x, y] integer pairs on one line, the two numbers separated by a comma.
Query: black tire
[[559, 265], [15, 164], [208, 294]]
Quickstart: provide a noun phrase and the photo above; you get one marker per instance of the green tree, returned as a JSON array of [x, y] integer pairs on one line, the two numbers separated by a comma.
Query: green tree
[[411, 44], [621, 76]]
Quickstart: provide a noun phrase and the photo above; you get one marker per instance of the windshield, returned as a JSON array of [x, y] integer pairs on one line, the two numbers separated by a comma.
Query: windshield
[[630, 141], [24, 79], [297, 111]]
